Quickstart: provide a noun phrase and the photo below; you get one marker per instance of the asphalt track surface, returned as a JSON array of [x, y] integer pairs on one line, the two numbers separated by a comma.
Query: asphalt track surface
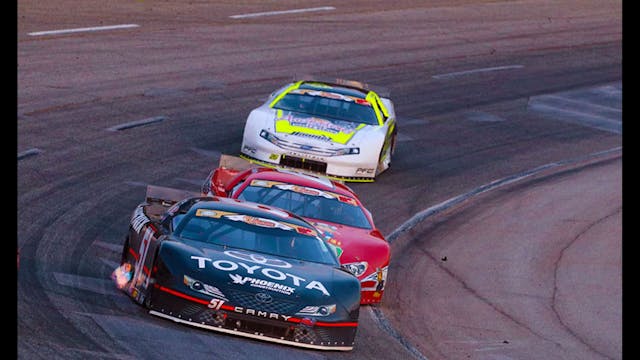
[[508, 106]]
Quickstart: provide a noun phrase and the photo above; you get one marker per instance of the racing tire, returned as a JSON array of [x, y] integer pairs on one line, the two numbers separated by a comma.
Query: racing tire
[[125, 250], [389, 152]]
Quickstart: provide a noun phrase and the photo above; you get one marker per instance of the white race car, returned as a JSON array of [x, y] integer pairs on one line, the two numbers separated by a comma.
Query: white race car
[[340, 129]]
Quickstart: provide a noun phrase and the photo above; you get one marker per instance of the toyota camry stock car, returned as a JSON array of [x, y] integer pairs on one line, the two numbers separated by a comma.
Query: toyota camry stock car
[[339, 128], [238, 267], [332, 207]]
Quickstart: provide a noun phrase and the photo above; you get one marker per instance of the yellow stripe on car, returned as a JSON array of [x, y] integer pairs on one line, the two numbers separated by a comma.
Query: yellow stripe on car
[[285, 92]]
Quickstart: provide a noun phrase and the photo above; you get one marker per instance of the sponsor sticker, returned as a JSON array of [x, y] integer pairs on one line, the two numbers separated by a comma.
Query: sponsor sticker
[[278, 276], [262, 284], [304, 190], [139, 219]]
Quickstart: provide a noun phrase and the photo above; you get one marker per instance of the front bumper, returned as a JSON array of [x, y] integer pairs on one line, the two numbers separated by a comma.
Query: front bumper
[[353, 168], [183, 308]]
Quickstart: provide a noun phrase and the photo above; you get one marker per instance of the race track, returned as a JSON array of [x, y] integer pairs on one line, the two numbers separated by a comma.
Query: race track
[[503, 203]]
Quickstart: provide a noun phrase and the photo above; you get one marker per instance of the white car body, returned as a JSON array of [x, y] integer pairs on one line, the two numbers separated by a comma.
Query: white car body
[[327, 140]]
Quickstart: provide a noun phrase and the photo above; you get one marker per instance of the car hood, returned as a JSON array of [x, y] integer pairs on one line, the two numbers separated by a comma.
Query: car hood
[[235, 270], [301, 124], [355, 244]]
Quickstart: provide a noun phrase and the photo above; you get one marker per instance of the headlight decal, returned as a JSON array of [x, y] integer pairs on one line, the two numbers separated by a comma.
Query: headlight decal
[[356, 268], [322, 310]]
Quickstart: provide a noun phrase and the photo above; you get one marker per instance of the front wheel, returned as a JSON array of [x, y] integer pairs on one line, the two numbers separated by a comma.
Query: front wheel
[[384, 160]]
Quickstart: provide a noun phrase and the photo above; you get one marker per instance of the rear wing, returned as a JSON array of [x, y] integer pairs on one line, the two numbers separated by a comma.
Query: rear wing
[[228, 167], [358, 85], [236, 163], [160, 198]]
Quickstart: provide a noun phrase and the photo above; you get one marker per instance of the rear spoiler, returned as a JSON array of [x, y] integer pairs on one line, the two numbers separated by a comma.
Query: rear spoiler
[[235, 163], [166, 196], [358, 85]]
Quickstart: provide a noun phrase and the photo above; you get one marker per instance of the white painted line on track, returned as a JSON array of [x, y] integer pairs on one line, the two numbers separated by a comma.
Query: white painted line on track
[[109, 246], [27, 153], [580, 117], [191, 181], [137, 123], [86, 29], [136, 183], [582, 104], [96, 285], [110, 263], [293, 11], [208, 153], [474, 71]]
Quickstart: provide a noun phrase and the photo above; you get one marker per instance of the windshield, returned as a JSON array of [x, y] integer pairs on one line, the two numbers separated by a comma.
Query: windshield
[[307, 202], [257, 234], [324, 107]]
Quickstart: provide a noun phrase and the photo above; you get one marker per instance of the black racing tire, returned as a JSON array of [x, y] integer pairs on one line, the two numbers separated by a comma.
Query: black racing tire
[[393, 145], [125, 251]]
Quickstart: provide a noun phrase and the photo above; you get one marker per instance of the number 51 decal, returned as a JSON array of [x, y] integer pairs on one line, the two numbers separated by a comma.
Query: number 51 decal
[[215, 304]]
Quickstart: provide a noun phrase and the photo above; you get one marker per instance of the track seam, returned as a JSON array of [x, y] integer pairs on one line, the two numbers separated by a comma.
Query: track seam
[[555, 282]]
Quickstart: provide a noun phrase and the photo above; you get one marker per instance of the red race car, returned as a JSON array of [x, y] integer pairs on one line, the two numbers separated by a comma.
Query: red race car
[[329, 205]]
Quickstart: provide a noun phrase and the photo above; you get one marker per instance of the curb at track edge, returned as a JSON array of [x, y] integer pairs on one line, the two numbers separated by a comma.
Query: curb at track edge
[[378, 314]]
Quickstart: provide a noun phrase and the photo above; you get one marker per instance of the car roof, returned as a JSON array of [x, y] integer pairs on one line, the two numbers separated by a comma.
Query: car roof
[[307, 180], [343, 90], [346, 84], [249, 208]]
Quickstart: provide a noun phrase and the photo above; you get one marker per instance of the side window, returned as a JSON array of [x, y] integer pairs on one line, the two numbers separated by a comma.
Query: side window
[[235, 188], [382, 109], [176, 220]]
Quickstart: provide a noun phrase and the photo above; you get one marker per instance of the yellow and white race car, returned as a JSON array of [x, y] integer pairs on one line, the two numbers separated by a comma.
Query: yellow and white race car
[[338, 128]]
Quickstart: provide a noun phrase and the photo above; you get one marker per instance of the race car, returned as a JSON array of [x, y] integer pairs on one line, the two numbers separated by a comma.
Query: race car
[[240, 268], [338, 128], [329, 205]]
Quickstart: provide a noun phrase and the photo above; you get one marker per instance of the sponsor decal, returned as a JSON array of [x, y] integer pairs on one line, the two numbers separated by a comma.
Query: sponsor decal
[[269, 272], [257, 221], [332, 127], [365, 171], [327, 230], [305, 191], [215, 214], [139, 219], [215, 304], [139, 277], [306, 156], [203, 288], [379, 278], [264, 314], [262, 222], [262, 284]]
